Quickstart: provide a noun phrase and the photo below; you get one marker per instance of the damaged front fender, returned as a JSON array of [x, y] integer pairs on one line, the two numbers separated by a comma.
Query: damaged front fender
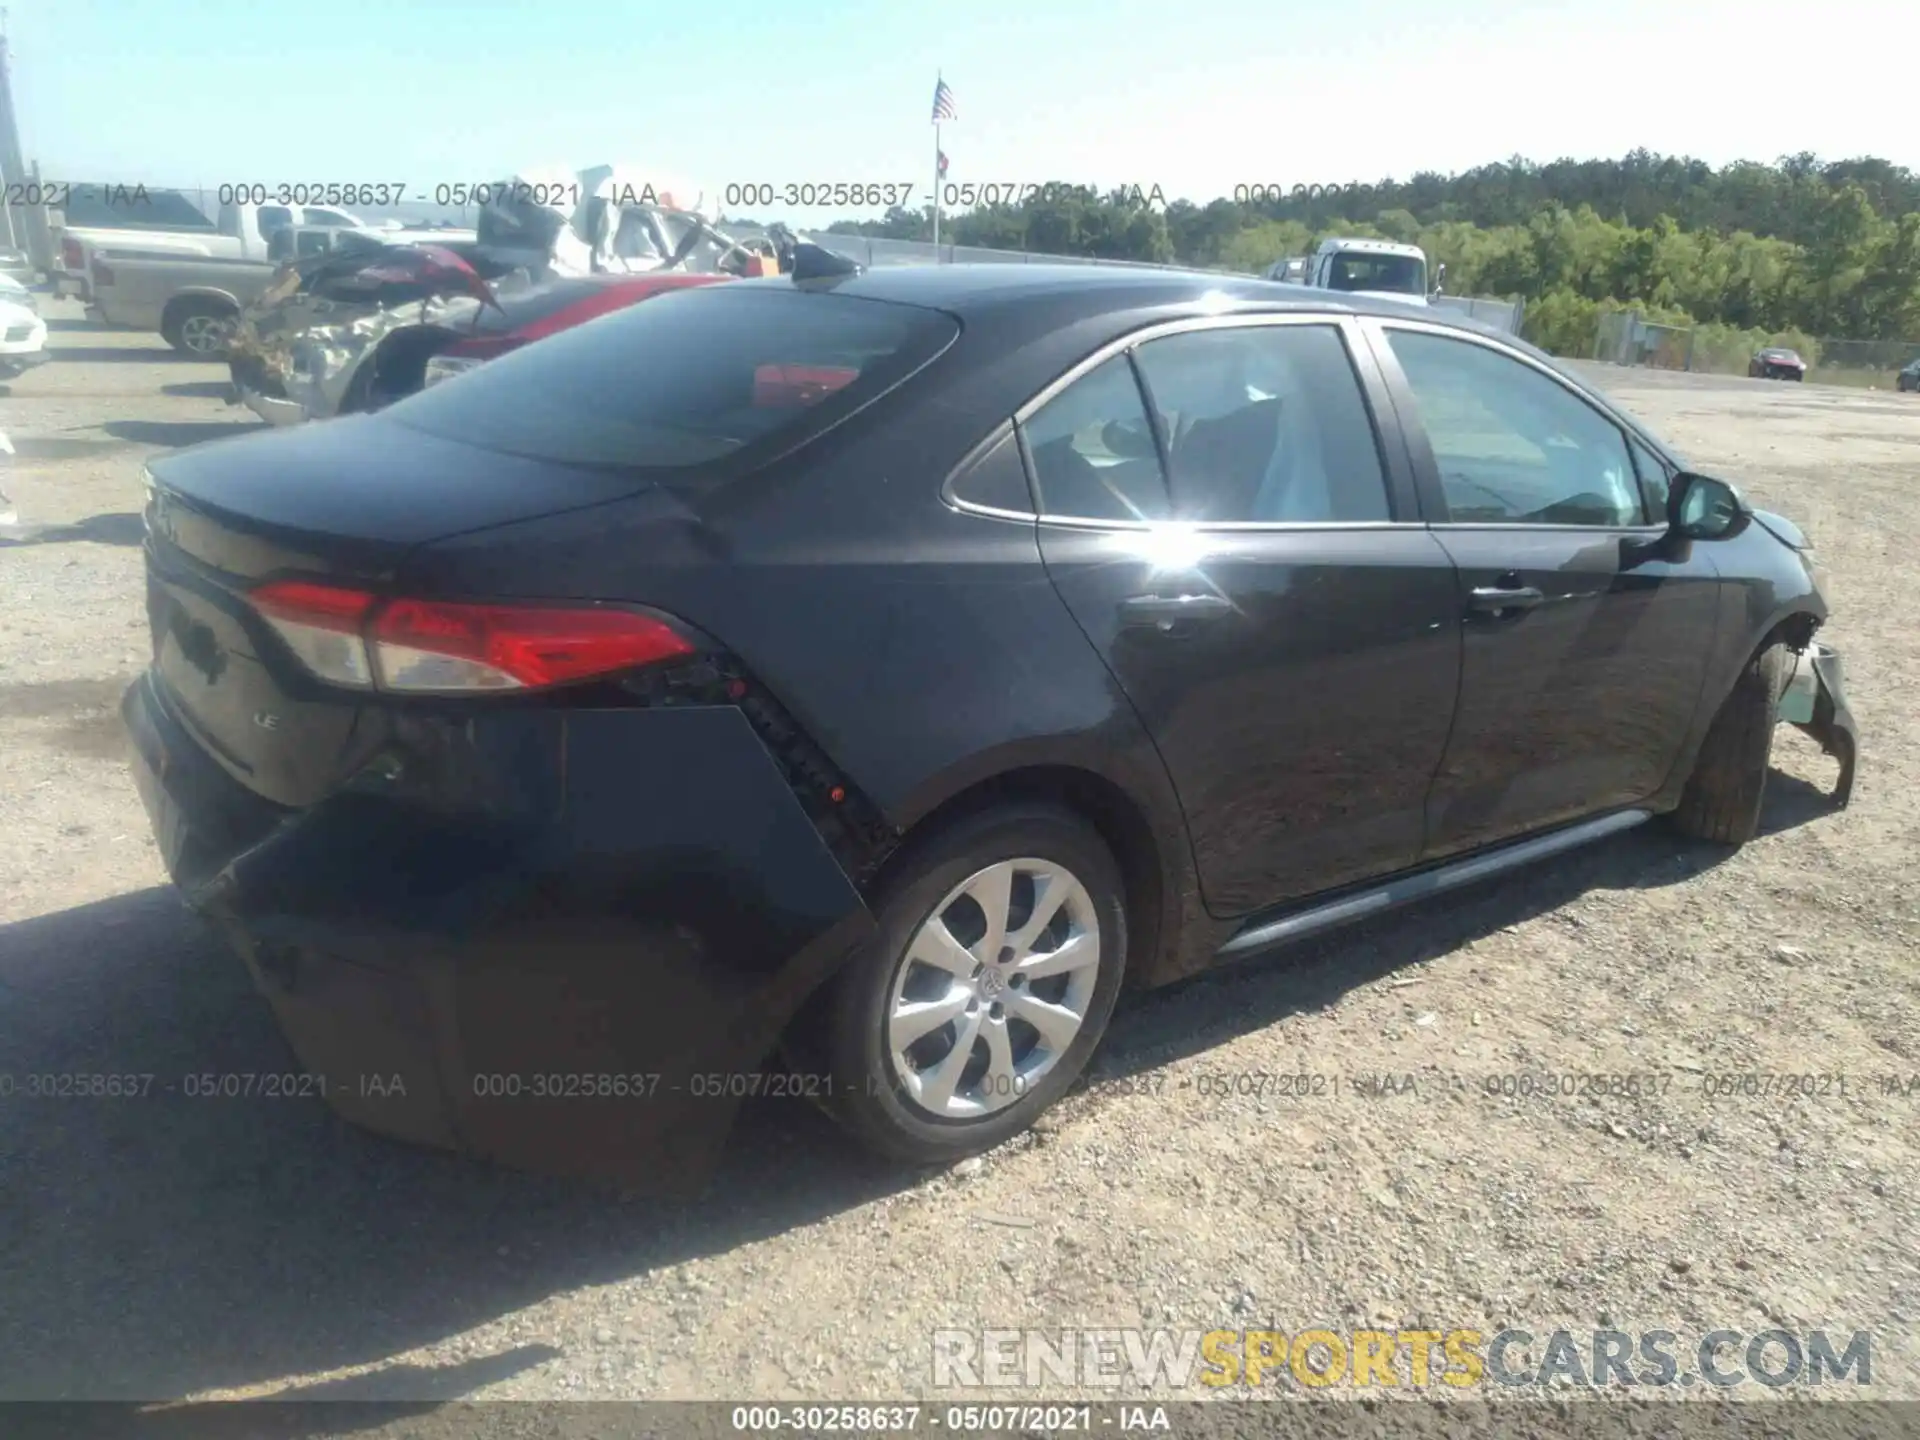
[[304, 351], [1815, 703]]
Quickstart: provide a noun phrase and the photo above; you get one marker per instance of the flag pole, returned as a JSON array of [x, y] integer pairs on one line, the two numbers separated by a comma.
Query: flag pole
[[936, 171]]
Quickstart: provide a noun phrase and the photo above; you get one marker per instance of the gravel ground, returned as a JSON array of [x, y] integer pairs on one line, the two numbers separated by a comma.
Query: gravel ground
[[170, 1247]]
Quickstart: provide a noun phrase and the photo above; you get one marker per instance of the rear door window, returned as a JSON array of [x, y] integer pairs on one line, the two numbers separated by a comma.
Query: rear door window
[[1265, 424], [723, 373], [1093, 450]]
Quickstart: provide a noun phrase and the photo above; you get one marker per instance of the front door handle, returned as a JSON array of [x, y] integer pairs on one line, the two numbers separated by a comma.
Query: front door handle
[[1498, 600], [1167, 610]]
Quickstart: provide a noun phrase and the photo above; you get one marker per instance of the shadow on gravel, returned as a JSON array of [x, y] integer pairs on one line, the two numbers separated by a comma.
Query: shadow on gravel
[[199, 390], [176, 434], [118, 527], [117, 354], [62, 447], [89, 710], [1160, 1027], [163, 1245]]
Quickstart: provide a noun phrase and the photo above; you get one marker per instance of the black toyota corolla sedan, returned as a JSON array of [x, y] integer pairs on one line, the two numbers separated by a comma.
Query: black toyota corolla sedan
[[845, 687]]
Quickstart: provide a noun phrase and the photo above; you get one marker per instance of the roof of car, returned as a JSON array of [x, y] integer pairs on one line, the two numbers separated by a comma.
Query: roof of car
[[965, 288]]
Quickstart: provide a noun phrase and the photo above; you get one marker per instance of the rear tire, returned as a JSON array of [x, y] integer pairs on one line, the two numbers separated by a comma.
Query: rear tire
[[1723, 796], [885, 1090], [200, 328]]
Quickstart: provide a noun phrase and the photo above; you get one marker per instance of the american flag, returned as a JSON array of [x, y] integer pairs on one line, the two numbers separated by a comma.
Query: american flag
[[942, 102], [943, 161]]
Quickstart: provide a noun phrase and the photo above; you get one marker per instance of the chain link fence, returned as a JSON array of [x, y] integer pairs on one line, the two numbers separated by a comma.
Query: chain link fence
[[1504, 315], [1623, 337]]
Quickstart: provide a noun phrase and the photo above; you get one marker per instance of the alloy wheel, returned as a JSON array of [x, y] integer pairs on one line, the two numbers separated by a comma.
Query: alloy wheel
[[204, 334], [993, 988]]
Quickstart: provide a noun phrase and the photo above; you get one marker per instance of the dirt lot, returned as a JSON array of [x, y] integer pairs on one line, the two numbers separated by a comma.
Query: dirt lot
[[173, 1247]]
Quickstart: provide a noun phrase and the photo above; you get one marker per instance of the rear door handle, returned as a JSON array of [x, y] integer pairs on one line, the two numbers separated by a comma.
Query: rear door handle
[[1166, 610], [1495, 599]]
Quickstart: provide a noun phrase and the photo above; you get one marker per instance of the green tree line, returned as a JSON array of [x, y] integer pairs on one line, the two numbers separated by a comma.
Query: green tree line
[[1785, 251]]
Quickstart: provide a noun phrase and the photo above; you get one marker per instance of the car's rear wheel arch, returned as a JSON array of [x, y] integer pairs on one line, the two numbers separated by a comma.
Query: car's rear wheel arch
[[1114, 815], [399, 360]]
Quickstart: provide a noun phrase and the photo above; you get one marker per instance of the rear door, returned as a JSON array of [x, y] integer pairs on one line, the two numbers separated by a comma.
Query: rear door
[[1220, 514], [1586, 641]]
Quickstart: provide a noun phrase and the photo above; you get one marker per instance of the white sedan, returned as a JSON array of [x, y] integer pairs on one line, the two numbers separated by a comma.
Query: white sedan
[[23, 334]]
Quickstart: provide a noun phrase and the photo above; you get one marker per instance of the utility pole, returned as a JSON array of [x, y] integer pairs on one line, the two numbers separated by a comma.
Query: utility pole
[[26, 224]]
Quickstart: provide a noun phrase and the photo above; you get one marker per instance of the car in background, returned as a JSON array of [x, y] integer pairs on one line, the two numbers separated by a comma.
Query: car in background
[[342, 332], [135, 223], [23, 338], [1777, 363], [458, 345], [298, 242], [191, 301], [16, 292], [1909, 376], [454, 332], [884, 670]]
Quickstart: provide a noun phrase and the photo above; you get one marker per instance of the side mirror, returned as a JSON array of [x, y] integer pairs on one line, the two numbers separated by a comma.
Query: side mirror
[[1702, 508], [1439, 276], [816, 262]]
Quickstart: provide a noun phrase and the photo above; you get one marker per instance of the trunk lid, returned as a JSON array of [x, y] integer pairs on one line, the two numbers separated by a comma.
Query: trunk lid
[[344, 501]]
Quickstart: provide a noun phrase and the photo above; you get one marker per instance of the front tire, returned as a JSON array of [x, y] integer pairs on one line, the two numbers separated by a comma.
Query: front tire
[[1723, 796], [976, 1005]]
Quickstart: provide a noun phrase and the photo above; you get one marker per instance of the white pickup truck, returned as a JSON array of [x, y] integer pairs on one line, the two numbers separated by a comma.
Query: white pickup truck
[[1362, 267], [133, 222]]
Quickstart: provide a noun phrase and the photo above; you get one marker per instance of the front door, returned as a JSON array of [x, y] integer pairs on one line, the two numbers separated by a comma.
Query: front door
[[1219, 514], [1585, 647]]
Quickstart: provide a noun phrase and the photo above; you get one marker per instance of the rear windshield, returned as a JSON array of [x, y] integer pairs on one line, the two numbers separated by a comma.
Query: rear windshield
[[690, 378], [131, 207]]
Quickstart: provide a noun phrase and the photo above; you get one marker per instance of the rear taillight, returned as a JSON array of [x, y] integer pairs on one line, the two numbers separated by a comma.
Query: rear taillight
[[71, 255], [322, 626], [353, 638], [102, 273]]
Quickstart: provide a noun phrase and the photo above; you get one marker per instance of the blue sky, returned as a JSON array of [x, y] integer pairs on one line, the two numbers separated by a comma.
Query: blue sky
[[1195, 96]]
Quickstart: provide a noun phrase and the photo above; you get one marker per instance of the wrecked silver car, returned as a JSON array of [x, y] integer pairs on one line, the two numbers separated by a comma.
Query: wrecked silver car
[[340, 333]]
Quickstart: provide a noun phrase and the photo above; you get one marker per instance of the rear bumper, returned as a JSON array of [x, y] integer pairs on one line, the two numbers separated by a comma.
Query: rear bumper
[[551, 939], [1816, 703]]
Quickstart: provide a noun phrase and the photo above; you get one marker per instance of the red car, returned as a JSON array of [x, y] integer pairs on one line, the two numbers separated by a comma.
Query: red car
[[360, 332], [518, 319], [1777, 363]]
